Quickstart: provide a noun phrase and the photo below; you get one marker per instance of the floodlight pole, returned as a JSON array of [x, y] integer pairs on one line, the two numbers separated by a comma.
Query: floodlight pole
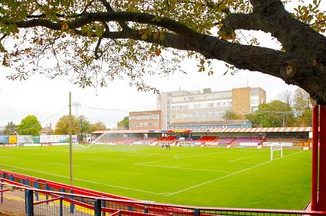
[[318, 179], [314, 176], [321, 202], [70, 141]]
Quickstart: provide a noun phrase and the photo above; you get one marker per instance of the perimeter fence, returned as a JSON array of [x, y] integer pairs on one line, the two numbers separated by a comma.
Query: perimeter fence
[[18, 192]]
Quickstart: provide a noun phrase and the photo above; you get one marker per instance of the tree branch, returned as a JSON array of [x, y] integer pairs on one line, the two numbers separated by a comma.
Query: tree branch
[[3, 37], [242, 21], [87, 6], [110, 9], [299, 65], [188, 39], [270, 16], [263, 6], [289, 67], [143, 18]]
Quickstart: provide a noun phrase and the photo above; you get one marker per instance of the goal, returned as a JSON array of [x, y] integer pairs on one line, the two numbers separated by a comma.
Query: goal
[[276, 147]]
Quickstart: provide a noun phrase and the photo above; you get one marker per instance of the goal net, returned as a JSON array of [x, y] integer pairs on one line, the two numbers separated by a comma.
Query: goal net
[[276, 150]]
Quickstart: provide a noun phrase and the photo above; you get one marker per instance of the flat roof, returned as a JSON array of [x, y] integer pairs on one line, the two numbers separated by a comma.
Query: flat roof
[[214, 130]]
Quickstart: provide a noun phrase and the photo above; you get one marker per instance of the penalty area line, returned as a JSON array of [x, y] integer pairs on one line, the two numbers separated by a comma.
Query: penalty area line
[[181, 168], [179, 156], [226, 176], [86, 180]]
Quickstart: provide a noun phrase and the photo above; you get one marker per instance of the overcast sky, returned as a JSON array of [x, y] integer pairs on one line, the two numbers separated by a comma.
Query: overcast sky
[[48, 99]]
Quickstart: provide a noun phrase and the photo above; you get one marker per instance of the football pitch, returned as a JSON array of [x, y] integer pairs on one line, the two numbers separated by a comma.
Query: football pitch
[[217, 177]]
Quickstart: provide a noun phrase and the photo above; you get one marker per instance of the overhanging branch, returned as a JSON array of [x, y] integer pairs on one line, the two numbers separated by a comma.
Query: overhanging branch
[[242, 21], [110, 9], [143, 18], [299, 64]]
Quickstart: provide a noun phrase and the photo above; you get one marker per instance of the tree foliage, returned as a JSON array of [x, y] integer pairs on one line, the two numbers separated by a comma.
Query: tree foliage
[[229, 115], [124, 123], [287, 97], [63, 125], [84, 125], [302, 106], [99, 40], [29, 126], [273, 114], [97, 126], [80, 125], [10, 129]]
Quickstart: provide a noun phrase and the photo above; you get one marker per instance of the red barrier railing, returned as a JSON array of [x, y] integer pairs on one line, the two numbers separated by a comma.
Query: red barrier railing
[[86, 202], [40, 183]]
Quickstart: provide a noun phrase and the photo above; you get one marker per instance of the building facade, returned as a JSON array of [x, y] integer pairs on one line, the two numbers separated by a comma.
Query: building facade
[[180, 109], [145, 120]]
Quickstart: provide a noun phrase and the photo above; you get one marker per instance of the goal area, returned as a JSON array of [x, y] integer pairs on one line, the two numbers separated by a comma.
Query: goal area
[[276, 148]]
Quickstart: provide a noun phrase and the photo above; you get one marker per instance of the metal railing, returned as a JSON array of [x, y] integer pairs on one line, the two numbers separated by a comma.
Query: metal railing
[[33, 201], [21, 194]]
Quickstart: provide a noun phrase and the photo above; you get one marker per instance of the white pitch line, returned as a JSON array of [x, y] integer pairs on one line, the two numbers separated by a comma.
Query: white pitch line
[[21, 168], [182, 168], [85, 180], [226, 176], [176, 157], [241, 158], [5, 157], [120, 187]]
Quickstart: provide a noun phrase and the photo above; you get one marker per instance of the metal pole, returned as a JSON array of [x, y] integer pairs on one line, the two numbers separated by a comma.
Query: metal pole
[[322, 160], [97, 207], [61, 207], [29, 205], [70, 140], [314, 169], [1, 188]]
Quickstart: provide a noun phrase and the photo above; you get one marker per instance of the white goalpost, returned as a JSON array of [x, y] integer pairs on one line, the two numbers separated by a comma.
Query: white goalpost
[[276, 147]]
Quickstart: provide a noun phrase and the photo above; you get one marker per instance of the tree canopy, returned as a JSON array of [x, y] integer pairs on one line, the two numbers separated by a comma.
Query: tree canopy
[[229, 115], [29, 126], [273, 114], [124, 123], [62, 126], [84, 125], [80, 125], [97, 126], [10, 129], [100, 40], [302, 106]]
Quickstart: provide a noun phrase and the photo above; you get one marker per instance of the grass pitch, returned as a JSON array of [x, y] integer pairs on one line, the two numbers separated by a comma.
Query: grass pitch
[[220, 177]]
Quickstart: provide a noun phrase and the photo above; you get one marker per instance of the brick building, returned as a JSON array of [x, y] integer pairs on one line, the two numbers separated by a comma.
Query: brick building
[[200, 109], [145, 120]]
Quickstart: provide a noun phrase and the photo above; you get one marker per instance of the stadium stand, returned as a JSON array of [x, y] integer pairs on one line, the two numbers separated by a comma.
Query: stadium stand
[[223, 141], [167, 140], [229, 137], [116, 139], [148, 141], [249, 141], [295, 142], [192, 141], [205, 139]]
